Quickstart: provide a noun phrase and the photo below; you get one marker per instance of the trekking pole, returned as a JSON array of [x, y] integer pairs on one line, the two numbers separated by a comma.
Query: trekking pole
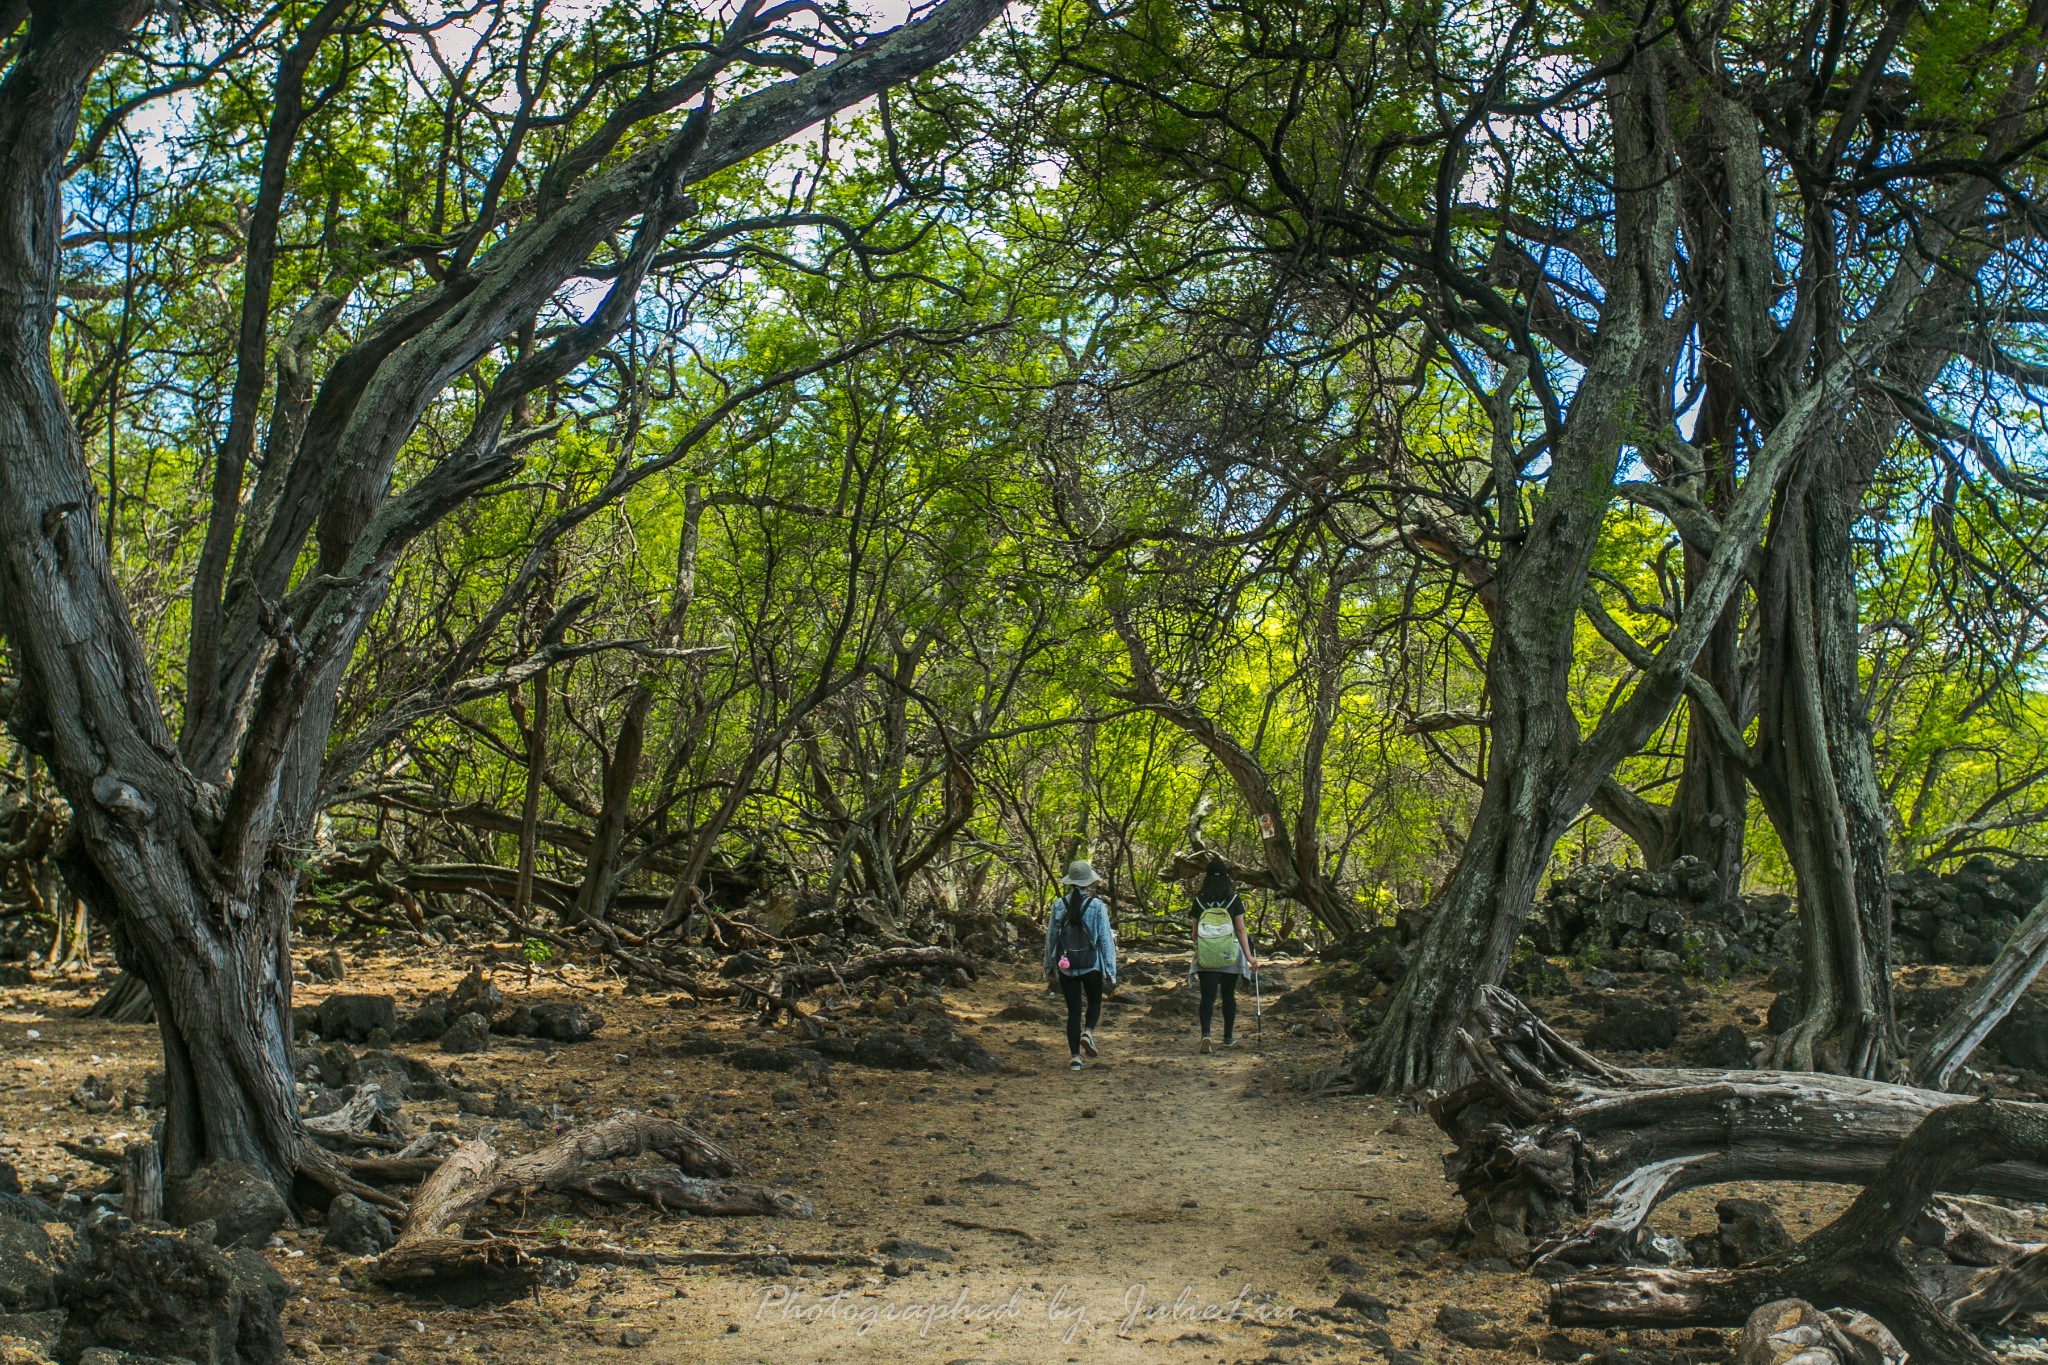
[[1258, 1016]]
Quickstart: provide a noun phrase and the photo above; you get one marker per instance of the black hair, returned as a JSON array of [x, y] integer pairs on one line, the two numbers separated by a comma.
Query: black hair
[[1216, 887]]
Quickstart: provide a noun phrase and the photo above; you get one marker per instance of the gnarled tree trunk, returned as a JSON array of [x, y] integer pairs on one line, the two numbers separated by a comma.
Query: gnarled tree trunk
[[1815, 772]]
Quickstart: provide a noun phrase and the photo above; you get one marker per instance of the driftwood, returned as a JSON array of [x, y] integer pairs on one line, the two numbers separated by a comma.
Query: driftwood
[[1548, 1136], [1794, 1332], [432, 1247], [1854, 1261], [1947, 1226], [352, 1122]]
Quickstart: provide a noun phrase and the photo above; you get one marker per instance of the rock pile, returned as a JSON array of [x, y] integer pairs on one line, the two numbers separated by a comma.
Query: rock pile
[[106, 1285], [462, 1020], [1963, 917], [1631, 919], [1678, 920]]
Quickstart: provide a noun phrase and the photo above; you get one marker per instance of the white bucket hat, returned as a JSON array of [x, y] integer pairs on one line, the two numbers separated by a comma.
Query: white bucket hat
[[1080, 873]]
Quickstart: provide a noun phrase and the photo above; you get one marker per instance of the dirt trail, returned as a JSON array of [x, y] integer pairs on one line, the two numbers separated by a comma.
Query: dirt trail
[[1168, 1206], [1208, 1194]]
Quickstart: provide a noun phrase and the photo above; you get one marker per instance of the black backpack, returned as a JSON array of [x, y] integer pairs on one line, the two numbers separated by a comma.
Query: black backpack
[[1076, 942]]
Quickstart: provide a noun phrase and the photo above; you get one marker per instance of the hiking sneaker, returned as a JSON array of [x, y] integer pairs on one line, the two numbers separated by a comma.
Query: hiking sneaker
[[1230, 1042], [1088, 1045], [1074, 1065], [1206, 1047]]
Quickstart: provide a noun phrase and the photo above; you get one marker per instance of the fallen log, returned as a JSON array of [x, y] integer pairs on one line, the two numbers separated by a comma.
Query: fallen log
[[433, 1250], [1548, 1135], [1854, 1261]]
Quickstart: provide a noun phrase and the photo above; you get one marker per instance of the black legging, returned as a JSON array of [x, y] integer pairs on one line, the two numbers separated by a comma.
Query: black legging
[[1073, 987], [1211, 983]]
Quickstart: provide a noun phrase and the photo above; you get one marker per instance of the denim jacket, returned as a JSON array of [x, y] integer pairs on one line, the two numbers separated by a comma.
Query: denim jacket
[[1096, 916]]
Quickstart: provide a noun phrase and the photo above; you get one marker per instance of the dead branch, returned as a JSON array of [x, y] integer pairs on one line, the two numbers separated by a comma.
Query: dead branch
[[432, 1246], [687, 1194]]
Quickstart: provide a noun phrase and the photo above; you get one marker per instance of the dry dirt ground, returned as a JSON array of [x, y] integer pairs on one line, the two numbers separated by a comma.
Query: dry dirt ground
[[1157, 1206]]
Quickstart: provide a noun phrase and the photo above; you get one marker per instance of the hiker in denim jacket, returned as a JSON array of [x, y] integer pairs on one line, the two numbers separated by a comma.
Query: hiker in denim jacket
[[1080, 954]]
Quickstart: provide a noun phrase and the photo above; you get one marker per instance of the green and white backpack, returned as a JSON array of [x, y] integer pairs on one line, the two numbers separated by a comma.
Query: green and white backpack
[[1215, 937]]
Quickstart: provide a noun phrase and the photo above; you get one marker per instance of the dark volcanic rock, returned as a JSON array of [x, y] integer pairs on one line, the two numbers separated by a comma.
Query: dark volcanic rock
[[353, 1017], [564, 1023], [469, 1033], [1473, 1327], [1750, 1232], [244, 1208], [355, 1227], [475, 993], [1727, 1049], [937, 1046], [2022, 1037], [426, 1023], [776, 1059], [1631, 1024], [160, 1294], [28, 1268]]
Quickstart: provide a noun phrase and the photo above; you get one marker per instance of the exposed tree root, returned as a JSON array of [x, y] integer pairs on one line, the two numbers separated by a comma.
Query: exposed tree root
[[1854, 1261], [1548, 1134]]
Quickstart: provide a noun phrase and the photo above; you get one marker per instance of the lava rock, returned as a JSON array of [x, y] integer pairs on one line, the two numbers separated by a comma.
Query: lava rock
[[2021, 1038], [171, 1294], [1750, 1232], [327, 966], [355, 1227], [775, 1059], [401, 1076], [1388, 961], [244, 1208], [564, 1023], [475, 993], [935, 1047], [1784, 1013], [469, 1033], [1473, 1327], [355, 1017], [1630, 1023], [1364, 1304], [426, 1023], [1029, 1014], [700, 1044], [1727, 1049], [29, 1267]]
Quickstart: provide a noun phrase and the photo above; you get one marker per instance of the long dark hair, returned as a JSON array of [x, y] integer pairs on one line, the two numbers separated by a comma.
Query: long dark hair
[[1216, 887]]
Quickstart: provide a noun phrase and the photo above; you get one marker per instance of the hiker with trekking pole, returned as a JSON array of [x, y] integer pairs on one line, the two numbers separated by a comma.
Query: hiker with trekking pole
[[1080, 954], [1223, 954]]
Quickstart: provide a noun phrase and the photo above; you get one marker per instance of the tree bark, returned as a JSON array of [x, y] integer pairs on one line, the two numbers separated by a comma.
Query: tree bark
[[1815, 773]]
